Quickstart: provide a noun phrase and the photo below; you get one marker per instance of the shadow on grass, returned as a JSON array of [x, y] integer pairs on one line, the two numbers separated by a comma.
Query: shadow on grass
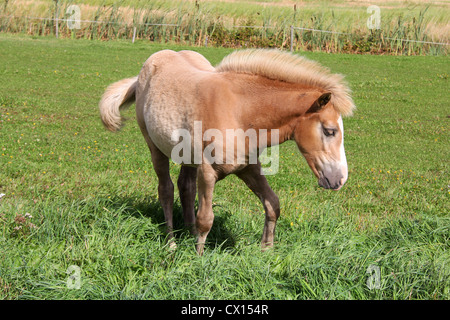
[[219, 236]]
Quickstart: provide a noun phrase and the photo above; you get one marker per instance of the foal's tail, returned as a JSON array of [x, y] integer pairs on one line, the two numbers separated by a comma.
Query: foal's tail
[[118, 96]]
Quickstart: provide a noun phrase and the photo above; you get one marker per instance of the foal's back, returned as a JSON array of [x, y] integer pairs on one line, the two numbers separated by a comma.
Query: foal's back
[[167, 94]]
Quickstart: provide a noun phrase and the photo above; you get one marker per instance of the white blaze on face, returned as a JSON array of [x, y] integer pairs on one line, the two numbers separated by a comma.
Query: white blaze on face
[[342, 158]]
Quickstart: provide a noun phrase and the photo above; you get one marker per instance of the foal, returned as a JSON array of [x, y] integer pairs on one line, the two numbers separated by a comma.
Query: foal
[[275, 95]]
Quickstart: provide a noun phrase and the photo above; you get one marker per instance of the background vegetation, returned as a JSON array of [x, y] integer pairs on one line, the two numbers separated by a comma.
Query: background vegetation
[[74, 194], [230, 23]]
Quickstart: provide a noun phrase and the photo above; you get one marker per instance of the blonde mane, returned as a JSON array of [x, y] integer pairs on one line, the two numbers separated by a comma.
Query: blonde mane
[[278, 65]]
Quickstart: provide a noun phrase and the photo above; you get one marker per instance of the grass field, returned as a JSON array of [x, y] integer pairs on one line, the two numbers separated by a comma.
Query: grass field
[[77, 195]]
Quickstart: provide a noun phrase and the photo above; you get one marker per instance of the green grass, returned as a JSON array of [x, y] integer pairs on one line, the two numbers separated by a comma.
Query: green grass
[[92, 195]]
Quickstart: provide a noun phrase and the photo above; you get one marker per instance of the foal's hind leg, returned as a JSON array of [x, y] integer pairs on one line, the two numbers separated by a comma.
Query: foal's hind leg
[[257, 182], [187, 186], [165, 186]]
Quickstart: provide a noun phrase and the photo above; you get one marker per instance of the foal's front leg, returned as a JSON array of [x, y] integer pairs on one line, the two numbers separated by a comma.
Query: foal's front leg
[[205, 216], [187, 186], [257, 182]]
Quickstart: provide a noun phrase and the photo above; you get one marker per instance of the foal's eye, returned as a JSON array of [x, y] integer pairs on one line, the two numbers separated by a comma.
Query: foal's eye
[[329, 132]]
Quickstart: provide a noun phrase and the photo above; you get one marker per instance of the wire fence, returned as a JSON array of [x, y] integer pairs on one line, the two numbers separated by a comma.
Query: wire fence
[[349, 34], [57, 24]]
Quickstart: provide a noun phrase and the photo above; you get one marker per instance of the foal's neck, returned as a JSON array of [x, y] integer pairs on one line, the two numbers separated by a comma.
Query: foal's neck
[[270, 104]]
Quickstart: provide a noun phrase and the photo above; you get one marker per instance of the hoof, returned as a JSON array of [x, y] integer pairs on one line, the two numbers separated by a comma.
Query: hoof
[[172, 245], [200, 248], [266, 246]]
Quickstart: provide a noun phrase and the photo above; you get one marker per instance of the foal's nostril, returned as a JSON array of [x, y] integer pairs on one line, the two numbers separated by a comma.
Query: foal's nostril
[[328, 183], [324, 183]]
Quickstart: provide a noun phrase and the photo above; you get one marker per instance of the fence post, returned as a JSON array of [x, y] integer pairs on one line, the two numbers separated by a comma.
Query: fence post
[[134, 33], [292, 38], [57, 27], [56, 19]]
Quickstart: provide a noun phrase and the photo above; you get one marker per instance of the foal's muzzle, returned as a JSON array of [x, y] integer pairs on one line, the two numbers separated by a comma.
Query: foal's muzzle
[[334, 183], [333, 179]]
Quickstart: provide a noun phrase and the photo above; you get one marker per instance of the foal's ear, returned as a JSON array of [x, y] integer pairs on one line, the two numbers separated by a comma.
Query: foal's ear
[[320, 102]]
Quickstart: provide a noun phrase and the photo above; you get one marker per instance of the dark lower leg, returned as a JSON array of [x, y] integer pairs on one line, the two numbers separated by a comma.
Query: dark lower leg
[[187, 187]]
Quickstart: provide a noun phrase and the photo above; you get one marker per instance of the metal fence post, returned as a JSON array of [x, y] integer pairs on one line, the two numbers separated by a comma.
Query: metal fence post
[[56, 19], [134, 33], [56, 28], [292, 38]]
